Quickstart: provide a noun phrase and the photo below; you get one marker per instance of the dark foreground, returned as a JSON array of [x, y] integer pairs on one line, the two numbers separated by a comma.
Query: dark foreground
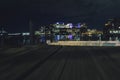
[[61, 63]]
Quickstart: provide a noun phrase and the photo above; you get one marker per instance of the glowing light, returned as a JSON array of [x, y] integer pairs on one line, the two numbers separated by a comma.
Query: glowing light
[[106, 24], [57, 22], [25, 34], [14, 34], [58, 37], [70, 37], [67, 26], [79, 25], [113, 25], [115, 32], [70, 25]]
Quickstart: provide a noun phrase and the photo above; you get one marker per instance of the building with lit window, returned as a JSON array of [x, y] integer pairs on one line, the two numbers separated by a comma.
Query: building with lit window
[[61, 31], [70, 32], [112, 29]]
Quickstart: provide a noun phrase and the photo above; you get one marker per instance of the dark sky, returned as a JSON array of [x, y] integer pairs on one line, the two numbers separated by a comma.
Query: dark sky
[[15, 14]]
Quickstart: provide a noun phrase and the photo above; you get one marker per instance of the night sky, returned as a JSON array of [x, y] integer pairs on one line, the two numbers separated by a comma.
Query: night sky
[[15, 14]]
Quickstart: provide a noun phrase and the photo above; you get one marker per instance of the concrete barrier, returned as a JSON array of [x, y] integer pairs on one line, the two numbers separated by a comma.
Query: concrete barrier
[[86, 43]]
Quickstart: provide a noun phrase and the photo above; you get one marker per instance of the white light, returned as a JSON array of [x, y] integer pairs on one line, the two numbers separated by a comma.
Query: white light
[[25, 34], [115, 31], [111, 32], [57, 23], [14, 34]]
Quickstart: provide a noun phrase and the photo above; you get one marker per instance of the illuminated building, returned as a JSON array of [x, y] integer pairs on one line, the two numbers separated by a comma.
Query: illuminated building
[[61, 31], [41, 34], [92, 34], [68, 32], [112, 29]]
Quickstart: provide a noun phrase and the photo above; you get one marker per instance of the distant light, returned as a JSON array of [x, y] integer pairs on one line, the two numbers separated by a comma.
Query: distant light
[[12, 34], [60, 23], [57, 22], [37, 32], [119, 27], [82, 25], [115, 32], [88, 30], [67, 26], [111, 32], [79, 25], [58, 37], [106, 24], [25, 34], [57, 26], [70, 37], [70, 25], [113, 24]]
